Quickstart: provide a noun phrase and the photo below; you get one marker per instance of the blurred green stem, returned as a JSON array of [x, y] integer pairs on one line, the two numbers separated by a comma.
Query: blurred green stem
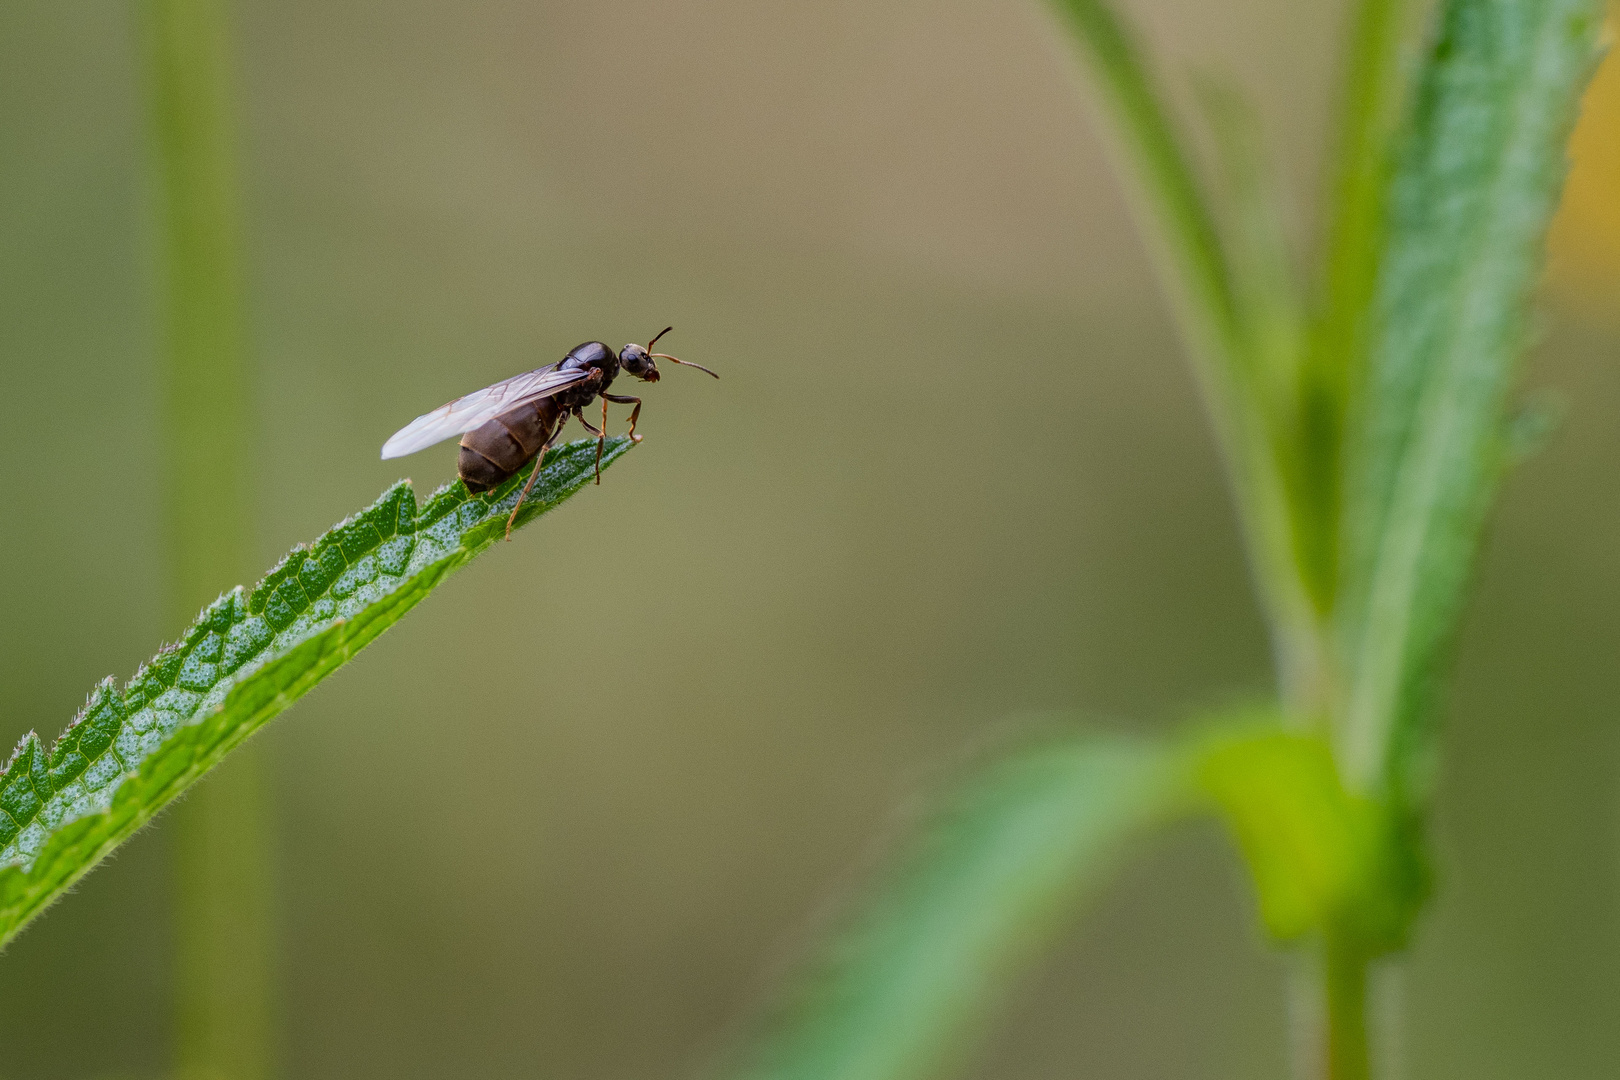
[[1335, 353], [1344, 975], [1367, 111], [221, 922], [223, 934], [1372, 90]]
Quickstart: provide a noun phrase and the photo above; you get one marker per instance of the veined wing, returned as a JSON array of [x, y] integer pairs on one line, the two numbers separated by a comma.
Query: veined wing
[[465, 413]]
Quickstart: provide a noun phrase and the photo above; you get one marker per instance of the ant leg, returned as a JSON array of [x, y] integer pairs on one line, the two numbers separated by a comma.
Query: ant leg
[[600, 436], [634, 413], [539, 462]]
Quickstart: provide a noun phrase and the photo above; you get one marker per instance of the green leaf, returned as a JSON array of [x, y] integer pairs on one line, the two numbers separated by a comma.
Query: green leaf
[[1474, 189], [1196, 271], [1368, 112], [994, 878], [1003, 868], [1170, 204], [248, 656], [1180, 227]]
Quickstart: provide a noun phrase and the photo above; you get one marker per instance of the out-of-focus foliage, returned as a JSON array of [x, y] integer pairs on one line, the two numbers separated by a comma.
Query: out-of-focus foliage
[[1364, 434], [1476, 187], [1315, 850], [994, 876]]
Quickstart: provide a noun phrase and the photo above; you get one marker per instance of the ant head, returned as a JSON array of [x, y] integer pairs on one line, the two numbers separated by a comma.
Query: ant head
[[640, 362], [637, 361]]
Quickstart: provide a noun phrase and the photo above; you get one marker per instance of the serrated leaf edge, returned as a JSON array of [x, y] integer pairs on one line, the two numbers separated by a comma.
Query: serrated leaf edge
[[378, 554]]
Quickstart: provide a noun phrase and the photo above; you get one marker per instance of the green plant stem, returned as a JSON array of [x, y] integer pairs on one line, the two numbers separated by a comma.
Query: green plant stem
[[225, 940], [1344, 977], [1358, 182], [1314, 422], [222, 927], [1336, 352]]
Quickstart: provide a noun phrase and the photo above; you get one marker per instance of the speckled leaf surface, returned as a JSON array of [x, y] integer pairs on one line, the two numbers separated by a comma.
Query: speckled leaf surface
[[1475, 187], [248, 656]]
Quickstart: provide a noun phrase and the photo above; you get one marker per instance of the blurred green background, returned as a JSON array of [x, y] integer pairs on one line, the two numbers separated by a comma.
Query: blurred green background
[[576, 817]]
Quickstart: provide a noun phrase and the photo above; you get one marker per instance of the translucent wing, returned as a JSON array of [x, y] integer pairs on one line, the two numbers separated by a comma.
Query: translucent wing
[[465, 413]]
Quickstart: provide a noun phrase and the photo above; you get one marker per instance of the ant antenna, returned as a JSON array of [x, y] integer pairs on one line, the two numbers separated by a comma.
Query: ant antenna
[[672, 359], [683, 363]]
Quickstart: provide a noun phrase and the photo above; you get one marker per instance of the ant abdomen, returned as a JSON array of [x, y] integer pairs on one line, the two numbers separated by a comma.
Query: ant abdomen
[[500, 447]]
